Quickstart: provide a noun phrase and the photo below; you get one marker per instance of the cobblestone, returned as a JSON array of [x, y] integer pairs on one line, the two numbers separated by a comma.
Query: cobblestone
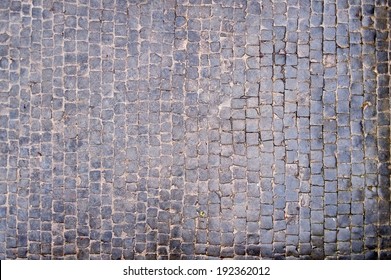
[[194, 129]]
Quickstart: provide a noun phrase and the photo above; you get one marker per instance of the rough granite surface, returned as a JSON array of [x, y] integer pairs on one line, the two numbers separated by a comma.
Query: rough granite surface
[[195, 129]]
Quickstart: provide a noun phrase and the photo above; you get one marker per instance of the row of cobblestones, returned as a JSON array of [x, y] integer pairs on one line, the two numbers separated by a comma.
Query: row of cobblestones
[[195, 129]]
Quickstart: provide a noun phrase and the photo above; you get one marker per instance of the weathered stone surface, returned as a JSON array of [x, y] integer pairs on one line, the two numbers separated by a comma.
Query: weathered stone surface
[[194, 129]]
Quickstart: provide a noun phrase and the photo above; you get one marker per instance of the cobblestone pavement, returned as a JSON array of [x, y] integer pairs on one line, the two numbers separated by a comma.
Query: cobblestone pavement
[[189, 129]]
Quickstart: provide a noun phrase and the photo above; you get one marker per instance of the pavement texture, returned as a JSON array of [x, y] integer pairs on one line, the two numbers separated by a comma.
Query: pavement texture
[[189, 129]]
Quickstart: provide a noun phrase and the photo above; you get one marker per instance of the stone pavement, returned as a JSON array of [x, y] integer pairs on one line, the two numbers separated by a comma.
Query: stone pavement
[[194, 129]]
